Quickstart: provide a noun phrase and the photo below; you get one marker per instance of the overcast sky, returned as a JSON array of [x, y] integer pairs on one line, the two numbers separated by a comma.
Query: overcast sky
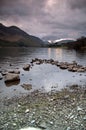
[[46, 18]]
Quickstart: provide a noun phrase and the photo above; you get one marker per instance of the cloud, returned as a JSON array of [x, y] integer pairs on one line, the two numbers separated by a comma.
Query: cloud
[[61, 18], [79, 4]]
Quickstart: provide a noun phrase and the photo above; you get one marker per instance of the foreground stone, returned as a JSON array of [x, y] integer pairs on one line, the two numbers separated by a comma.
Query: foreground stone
[[26, 67], [11, 77], [1, 77]]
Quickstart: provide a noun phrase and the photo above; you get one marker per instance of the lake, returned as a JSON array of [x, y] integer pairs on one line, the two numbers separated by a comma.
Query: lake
[[43, 77]]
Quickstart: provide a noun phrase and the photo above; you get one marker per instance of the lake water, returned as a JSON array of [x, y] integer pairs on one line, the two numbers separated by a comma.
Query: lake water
[[43, 77]]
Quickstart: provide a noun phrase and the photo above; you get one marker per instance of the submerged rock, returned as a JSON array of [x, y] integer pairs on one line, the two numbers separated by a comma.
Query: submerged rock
[[11, 77], [81, 70], [63, 66], [27, 86]]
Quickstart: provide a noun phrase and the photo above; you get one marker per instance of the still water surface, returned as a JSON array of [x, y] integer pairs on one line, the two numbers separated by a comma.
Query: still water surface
[[43, 77]]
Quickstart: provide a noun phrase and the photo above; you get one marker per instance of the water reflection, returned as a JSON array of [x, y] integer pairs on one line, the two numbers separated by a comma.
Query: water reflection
[[56, 53], [19, 56], [46, 76], [49, 52]]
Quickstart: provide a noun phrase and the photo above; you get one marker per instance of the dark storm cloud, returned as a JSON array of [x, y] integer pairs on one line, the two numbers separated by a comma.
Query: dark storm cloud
[[79, 4], [20, 7], [61, 18], [10, 7]]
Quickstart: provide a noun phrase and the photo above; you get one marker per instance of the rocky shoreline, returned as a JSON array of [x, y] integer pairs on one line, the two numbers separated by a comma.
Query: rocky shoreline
[[61, 110], [74, 66], [54, 110], [13, 74]]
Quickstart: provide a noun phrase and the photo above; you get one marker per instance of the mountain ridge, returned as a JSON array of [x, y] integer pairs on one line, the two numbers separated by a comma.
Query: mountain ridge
[[14, 36]]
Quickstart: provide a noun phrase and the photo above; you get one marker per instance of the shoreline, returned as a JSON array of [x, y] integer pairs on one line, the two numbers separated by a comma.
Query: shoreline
[[52, 110], [60, 110], [18, 77]]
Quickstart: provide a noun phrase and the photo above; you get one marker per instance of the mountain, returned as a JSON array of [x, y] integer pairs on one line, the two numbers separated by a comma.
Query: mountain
[[14, 36], [61, 42], [78, 44]]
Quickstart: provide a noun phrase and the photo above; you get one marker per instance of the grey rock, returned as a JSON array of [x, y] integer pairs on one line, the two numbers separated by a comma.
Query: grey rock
[[43, 125], [1, 77], [63, 66], [81, 70], [26, 67], [11, 77]]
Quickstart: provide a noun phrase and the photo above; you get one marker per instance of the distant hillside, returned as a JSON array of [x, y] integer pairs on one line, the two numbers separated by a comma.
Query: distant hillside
[[63, 41], [14, 36], [60, 42], [78, 44]]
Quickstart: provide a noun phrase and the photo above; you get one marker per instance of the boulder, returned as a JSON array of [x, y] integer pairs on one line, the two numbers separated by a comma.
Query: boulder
[[81, 70], [58, 64], [9, 77], [74, 69], [63, 66], [26, 67], [70, 67]]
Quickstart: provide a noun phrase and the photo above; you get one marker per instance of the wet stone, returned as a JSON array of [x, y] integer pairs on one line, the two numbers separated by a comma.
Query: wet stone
[[27, 86], [26, 67], [43, 125], [11, 77]]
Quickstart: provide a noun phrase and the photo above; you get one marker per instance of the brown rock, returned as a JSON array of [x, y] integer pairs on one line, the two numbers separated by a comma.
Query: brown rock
[[26, 67], [11, 77]]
